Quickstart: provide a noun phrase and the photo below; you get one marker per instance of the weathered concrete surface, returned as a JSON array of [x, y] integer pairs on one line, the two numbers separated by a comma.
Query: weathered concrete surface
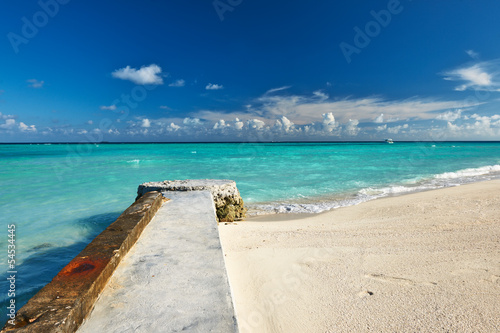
[[174, 279], [62, 304], [228, 202]]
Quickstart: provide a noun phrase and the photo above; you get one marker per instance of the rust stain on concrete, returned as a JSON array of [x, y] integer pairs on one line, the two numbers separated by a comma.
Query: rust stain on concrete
[[62, 304]]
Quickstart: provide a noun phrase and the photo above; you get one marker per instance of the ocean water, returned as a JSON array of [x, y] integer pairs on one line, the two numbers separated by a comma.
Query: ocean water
[[61, 196]]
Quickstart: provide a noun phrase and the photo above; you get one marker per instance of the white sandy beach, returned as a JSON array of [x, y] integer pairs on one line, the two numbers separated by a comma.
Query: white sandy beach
[[423, 262]]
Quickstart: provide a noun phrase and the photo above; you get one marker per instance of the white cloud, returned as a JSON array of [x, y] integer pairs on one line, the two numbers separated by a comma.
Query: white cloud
[[328, 122], [472, 54], [396, 129], [34, 83], [379, 119], [483, 127], [110, 108], [270, 91], [352, 128], [320, 95], [475, 75], [164, 107], [146, 123], [325, 127], [221, 124], [178, 83], [6, 116], [145, 75], [192, 122], [238, 124], [284, 126], [304, 109], [450, 115], [25, 128], [255, 124], [212, 86], [479, 76], [173, 127], [9, 124]]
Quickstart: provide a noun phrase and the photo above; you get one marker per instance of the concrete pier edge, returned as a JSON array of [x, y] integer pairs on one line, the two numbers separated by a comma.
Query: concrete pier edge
[[174, 279], [62, 305], [229, 205]]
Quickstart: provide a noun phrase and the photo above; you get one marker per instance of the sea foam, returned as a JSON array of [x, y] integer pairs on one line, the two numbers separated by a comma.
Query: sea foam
[[446, 179]]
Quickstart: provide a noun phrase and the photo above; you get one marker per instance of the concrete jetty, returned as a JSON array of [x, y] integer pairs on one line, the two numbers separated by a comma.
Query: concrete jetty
[[173, 279], [228, 202]]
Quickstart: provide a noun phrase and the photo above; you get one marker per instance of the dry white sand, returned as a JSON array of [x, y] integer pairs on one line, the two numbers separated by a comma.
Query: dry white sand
[[423, 262]]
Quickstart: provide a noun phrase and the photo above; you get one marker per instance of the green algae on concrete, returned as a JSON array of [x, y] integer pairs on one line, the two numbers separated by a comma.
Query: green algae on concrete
[[227, 199]]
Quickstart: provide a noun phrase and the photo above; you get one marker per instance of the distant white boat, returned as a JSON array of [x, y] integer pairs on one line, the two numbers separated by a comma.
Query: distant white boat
[[389, 141]]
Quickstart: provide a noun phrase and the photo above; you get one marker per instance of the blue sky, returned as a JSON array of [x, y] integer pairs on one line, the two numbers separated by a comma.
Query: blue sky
[[240, 70]]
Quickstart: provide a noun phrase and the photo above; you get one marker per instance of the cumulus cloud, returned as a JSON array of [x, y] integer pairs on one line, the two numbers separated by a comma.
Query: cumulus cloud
[[110, 107], [238, 124], [212, 86], [304, 109], [26, 128], [10, 124], [328, 122], [34, 83], [476, 126], [145, 75], [146, 123], [173, 127], [450, 115], [284, 125], [352, 128], [192, 122], [178, 83], [325, 127], [396, 129], [221, 124], [379, 119], [255, 124]]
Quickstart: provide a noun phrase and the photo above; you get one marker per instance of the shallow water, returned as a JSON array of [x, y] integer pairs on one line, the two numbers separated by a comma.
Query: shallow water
[[60, 196]]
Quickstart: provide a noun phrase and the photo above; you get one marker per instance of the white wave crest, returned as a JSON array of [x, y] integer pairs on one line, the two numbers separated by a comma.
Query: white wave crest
[[447, 179], [469, 172]]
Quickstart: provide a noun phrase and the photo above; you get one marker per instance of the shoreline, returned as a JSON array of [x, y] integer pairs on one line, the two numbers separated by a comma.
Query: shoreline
[[334, 200], [424, 261]]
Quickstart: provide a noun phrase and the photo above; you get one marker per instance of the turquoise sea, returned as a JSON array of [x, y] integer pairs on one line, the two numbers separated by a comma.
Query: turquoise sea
[[60, 196]]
